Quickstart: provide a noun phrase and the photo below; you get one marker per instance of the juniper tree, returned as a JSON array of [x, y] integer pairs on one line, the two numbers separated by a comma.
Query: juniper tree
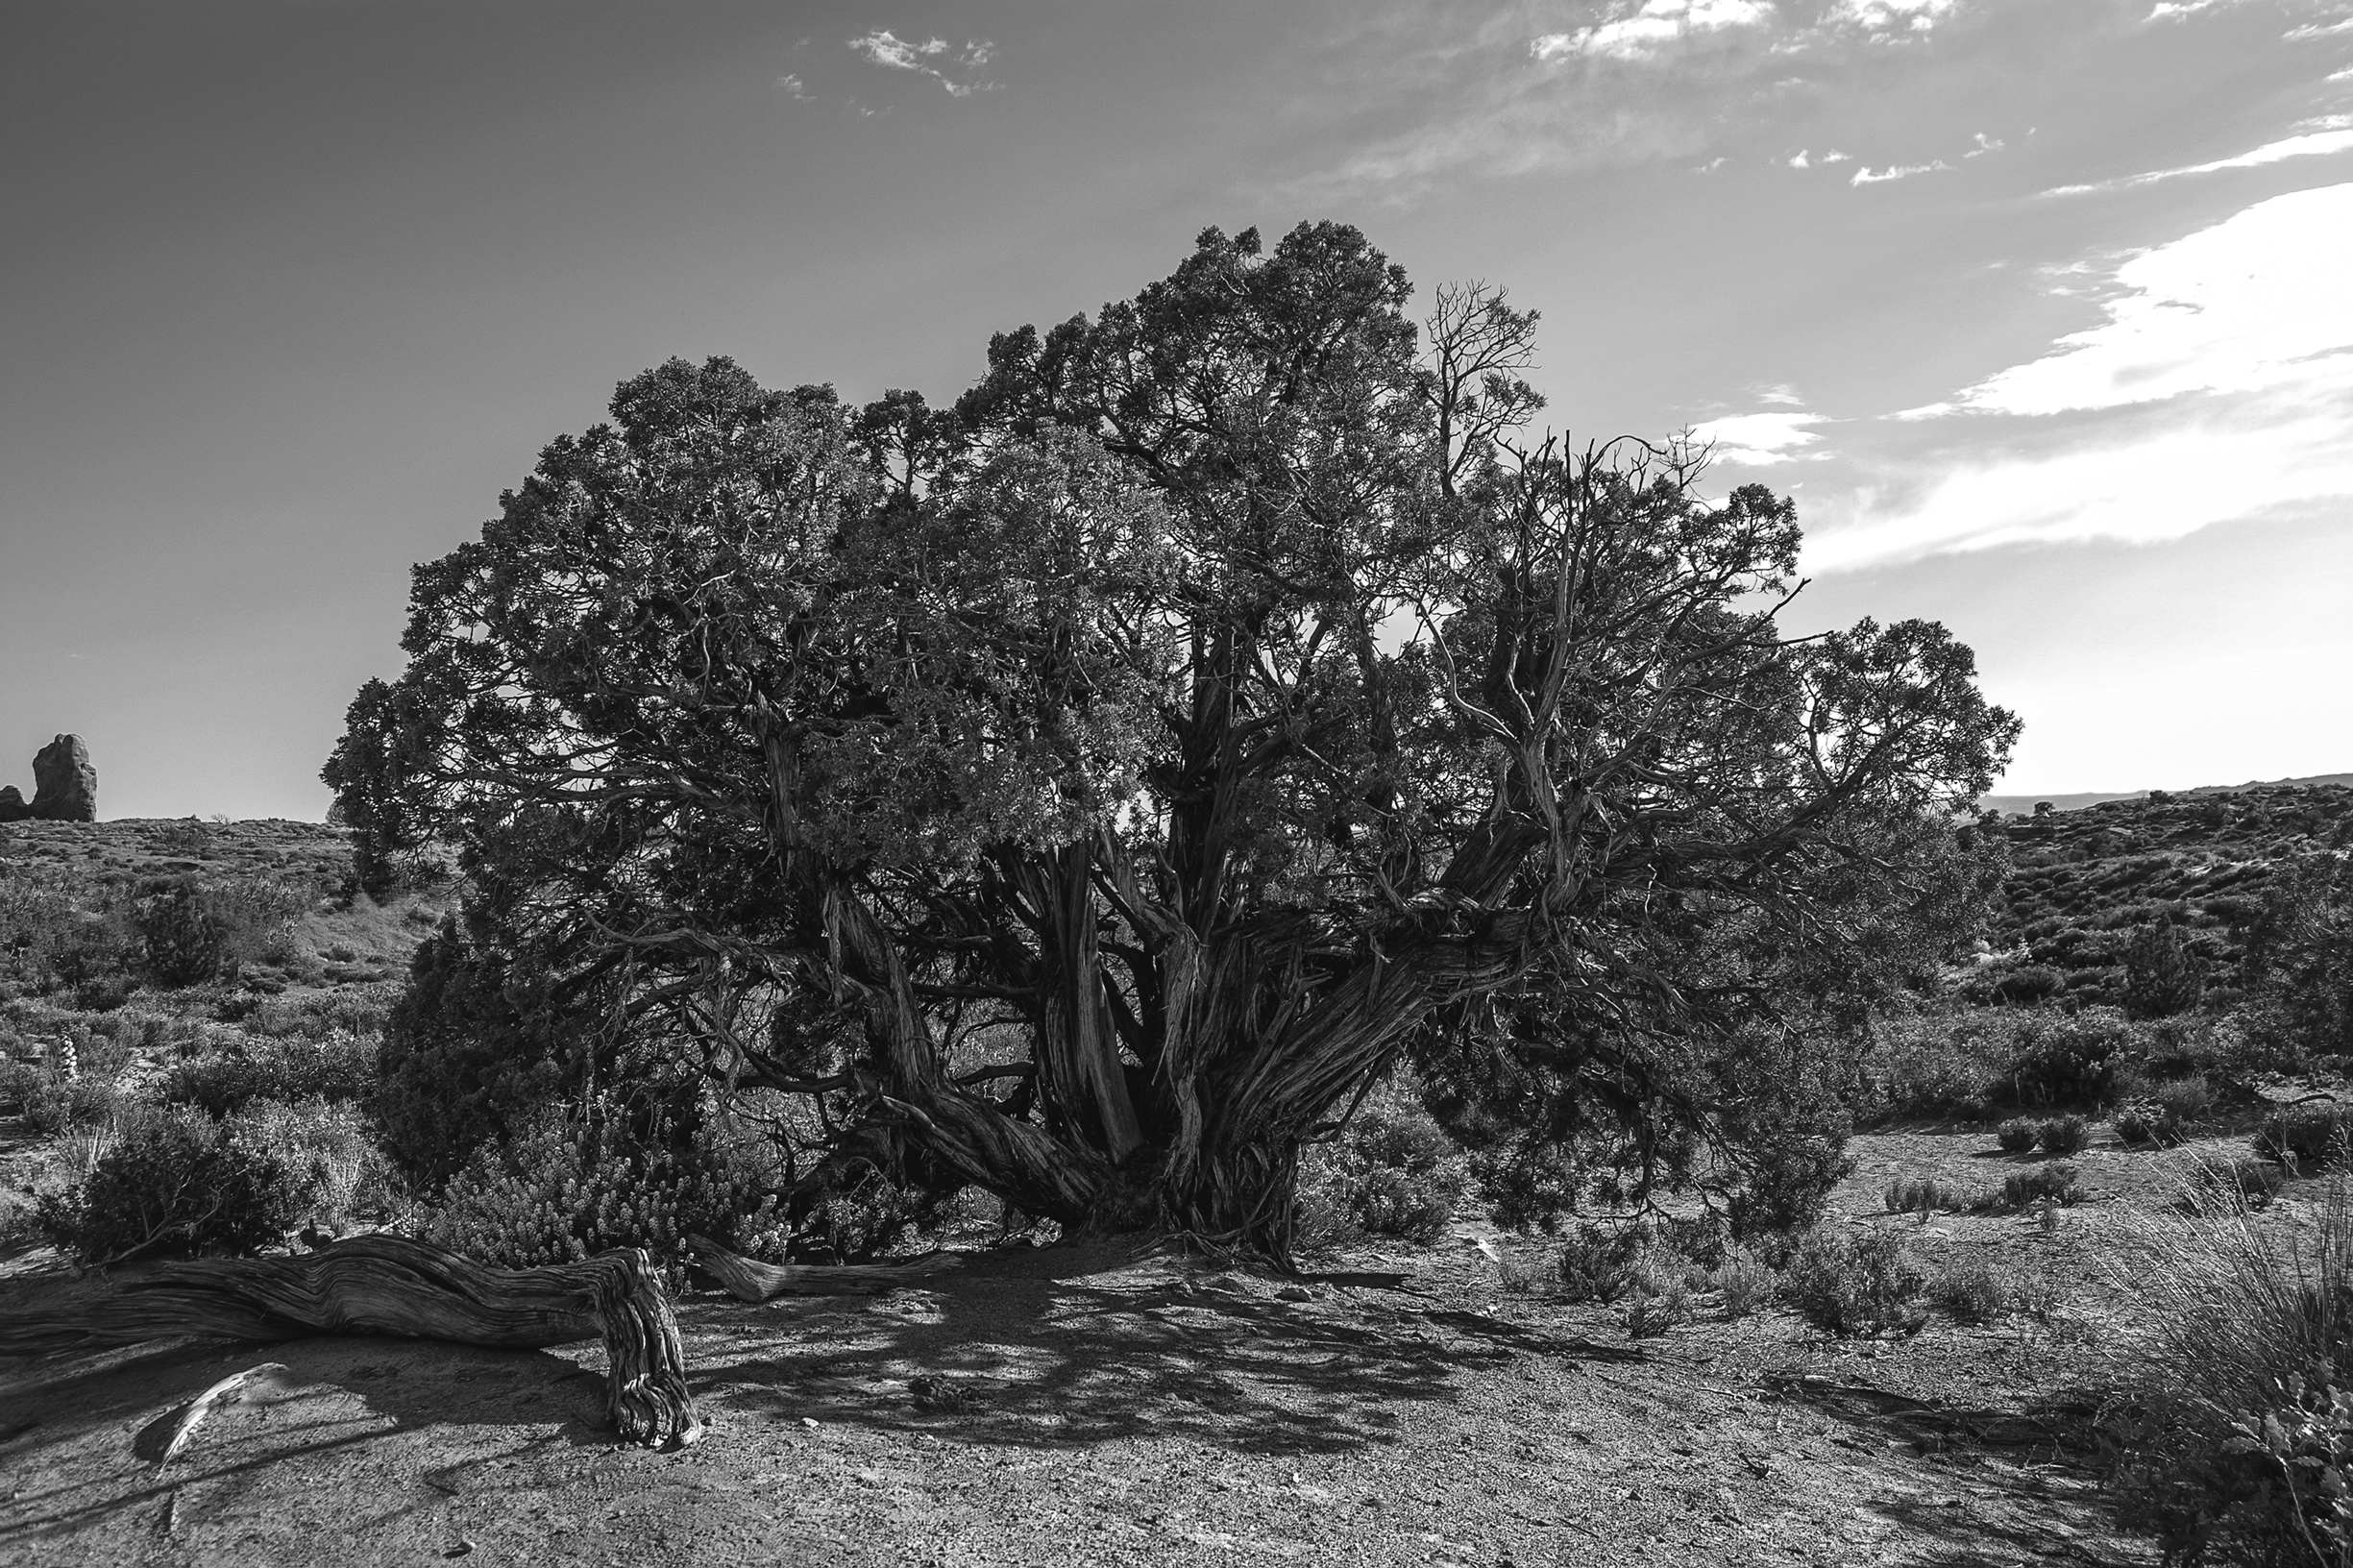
[[1087, 793]]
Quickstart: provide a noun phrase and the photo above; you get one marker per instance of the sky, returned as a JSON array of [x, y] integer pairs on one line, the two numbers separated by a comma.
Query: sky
[[2039, 308]]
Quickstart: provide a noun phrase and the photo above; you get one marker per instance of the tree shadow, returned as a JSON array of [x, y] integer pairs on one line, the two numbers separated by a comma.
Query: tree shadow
[[394, 1385], [2040, 1461], [1052, 1353]]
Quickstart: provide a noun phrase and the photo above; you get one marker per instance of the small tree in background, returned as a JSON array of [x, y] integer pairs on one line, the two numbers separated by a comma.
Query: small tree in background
[[2162, 976]]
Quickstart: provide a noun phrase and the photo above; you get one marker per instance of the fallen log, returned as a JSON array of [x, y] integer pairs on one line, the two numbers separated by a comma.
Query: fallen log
[[747, 1279], [391, 1285]]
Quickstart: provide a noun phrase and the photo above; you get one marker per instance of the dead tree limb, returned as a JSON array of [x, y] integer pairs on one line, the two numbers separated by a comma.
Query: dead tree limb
[[391, 1285], [747, 1279]]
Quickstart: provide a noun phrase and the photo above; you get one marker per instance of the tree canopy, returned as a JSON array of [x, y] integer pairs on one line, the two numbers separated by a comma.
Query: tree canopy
[[1086, 791]]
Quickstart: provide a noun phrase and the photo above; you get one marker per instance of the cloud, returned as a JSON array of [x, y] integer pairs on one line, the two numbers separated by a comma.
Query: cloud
[[934, 58], [1891, 15], [1656, 27], [1867, 176], [2255, 303], [792, 87], [2218, 386], [2333, 135], [2163, 486], [1761, 440], [2319, 30]]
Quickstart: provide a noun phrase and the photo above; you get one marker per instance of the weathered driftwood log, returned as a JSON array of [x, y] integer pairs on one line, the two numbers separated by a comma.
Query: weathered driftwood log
[[750, 1280], [391, 1285]]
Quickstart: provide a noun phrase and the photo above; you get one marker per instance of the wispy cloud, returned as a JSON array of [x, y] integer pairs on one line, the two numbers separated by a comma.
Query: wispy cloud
[[946, 64], [2218, 386], [2333, 135], [1868, 176], [1761, 440], [1652, 29], [1891, 15], [2255, 303], [792, 87]]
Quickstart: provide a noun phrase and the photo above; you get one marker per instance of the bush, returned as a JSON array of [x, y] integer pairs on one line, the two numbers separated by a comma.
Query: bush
[[2162, 976], [1969, 1288], [2150, 1122], [1850, 1286], [173, 1185], [1598, 1264], [2056, 1183], [2019, 1135], [463, 1059], [569, 1188], [2067, 1061], [182, 941], [2187, 1100], [2257, 1180], [332, 1150], [1392, 1171], [2308, 1137], [1925, 1195], [2063, 1135], [2027, 986], [1744, 1282], [1657, 1305], [2236, 1442], [338, 1069]]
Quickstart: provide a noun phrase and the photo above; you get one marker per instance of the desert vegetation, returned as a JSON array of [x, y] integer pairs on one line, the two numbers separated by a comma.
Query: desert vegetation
[[1227, 784]]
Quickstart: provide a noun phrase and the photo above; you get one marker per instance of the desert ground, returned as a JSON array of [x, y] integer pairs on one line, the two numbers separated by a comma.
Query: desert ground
[[1106, 1403]]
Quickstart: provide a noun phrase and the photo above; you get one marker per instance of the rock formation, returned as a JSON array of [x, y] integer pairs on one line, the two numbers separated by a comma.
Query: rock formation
[[12, 807], [64, 784]]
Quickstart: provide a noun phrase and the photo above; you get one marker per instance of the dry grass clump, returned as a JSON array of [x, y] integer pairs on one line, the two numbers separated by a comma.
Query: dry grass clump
[[2056, 1183], [2236, 1410], [1970, 1287]]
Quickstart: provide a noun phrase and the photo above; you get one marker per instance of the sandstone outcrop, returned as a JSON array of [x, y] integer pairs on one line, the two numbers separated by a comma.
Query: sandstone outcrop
[[64, 784], [12, 807]]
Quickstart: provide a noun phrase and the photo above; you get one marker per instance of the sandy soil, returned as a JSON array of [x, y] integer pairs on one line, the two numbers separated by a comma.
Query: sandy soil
[[1087, 1404]]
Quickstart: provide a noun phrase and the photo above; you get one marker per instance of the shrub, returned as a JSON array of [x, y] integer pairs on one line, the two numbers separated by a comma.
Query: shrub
[[1935, 1064], [2257, 1180], [173, 1185], [340, 1069], [1392, 1171], [1969, 1287], [1925, 1195], [2187, 1100], [2148, 1121], [1657, 1305], [1598, 1264], [2067, 1061], [2034, 982], [2063, 1135], [567, 1188], [2162, 976], [1744, 1282], [2019, 1135], [332, 1150], [2309, 1136], [2056, 1183], [2235, 1443], [181, 940], [462, 1060], [1850, 1285]]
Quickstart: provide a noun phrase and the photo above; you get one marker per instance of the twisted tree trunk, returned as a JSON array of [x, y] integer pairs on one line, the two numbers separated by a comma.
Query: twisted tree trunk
[[391, 1285]]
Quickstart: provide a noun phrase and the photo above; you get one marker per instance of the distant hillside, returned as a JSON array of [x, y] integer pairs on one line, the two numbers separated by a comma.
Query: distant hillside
[[2009, 803], [2083, 880]]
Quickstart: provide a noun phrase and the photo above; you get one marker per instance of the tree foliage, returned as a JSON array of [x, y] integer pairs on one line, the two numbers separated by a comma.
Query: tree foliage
[[1089, 792]]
